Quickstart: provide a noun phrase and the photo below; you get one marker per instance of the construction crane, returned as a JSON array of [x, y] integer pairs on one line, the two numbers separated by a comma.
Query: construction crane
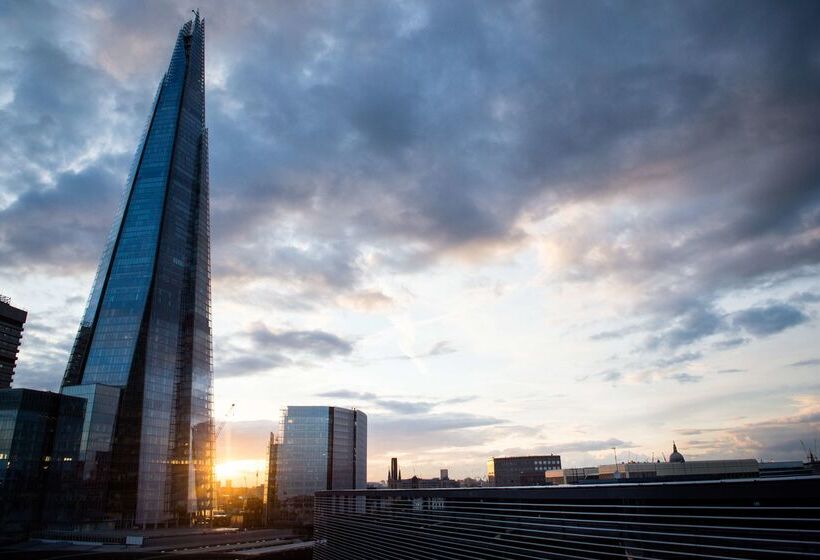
[[221, 425]]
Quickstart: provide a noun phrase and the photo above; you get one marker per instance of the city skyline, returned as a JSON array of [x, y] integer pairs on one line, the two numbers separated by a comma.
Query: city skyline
[[543, 242]]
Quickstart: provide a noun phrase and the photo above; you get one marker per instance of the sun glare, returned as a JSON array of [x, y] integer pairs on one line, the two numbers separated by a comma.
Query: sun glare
[[242, 472]]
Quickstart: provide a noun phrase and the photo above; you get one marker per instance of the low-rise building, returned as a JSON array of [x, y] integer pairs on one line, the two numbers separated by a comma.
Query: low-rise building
[[676, 468], [521, 471], [394, 479], [571, 476], [30, 424]]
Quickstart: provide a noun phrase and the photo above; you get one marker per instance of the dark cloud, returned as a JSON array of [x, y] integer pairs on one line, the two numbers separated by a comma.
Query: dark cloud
[[778, 438], [396, 406], [688, 327], [730, 343], [592, 445], [684, 377], [440, 348], [60, 227], [609, 376], [44, 348], [430, 424], [805, 297], [491, 113], [241, 365], [806, 363], [276, 349], [353, 141], [389, 436], [769, 319], [317, 343], [678, 359], [617, 333]]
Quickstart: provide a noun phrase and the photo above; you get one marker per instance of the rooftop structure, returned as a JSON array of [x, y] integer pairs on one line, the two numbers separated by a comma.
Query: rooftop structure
[[751, 519]]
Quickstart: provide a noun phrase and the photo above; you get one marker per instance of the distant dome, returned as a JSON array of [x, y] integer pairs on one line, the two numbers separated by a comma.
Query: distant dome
[[676, 457]]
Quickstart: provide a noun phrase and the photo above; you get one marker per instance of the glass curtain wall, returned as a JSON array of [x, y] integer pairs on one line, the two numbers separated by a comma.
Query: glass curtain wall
[[146, 330]]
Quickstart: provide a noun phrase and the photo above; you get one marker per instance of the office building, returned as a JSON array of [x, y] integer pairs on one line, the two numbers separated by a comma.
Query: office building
[[521, 471], [317, 448], [30, 424], [758, 519], [11, 332], [144, 342]]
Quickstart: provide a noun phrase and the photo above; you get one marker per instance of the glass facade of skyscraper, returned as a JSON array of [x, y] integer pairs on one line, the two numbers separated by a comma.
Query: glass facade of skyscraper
[[142, 356], [318, 448]]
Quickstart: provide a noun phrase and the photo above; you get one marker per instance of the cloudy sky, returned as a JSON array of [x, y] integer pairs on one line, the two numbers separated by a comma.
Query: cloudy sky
[[495, 227]]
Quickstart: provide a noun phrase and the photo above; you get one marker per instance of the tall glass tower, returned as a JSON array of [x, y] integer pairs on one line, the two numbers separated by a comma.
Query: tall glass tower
[[317, 448], [142, 356]]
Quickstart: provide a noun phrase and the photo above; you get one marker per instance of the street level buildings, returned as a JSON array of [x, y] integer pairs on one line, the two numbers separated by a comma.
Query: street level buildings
[[521, 471], [691, 470], [12, 320], [394, 479], [317, 448], [677, 469], [31, 424], [142, 355]]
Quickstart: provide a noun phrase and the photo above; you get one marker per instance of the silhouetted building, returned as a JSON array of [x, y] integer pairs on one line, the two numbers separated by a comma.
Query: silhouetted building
[[144, 343], [394, 479], [30, 423], [520, 471], [77, 497], [756, 519], [271, 501], [11, 332], [317, 448], [394, 474], [239, 506], [675, 456]]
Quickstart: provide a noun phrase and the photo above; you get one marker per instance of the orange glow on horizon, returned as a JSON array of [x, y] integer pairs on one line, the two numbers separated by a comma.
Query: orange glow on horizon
[[242, 472]]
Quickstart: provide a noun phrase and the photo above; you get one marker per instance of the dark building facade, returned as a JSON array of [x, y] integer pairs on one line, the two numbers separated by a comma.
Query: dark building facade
[[142, 355], [11, 332], [31, 422], [394, 479], [317, 448], [394, 474], [760, 519], [521, 471]]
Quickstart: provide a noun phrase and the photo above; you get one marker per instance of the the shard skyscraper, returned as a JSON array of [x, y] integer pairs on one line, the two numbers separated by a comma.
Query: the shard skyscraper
[[142, 356]]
